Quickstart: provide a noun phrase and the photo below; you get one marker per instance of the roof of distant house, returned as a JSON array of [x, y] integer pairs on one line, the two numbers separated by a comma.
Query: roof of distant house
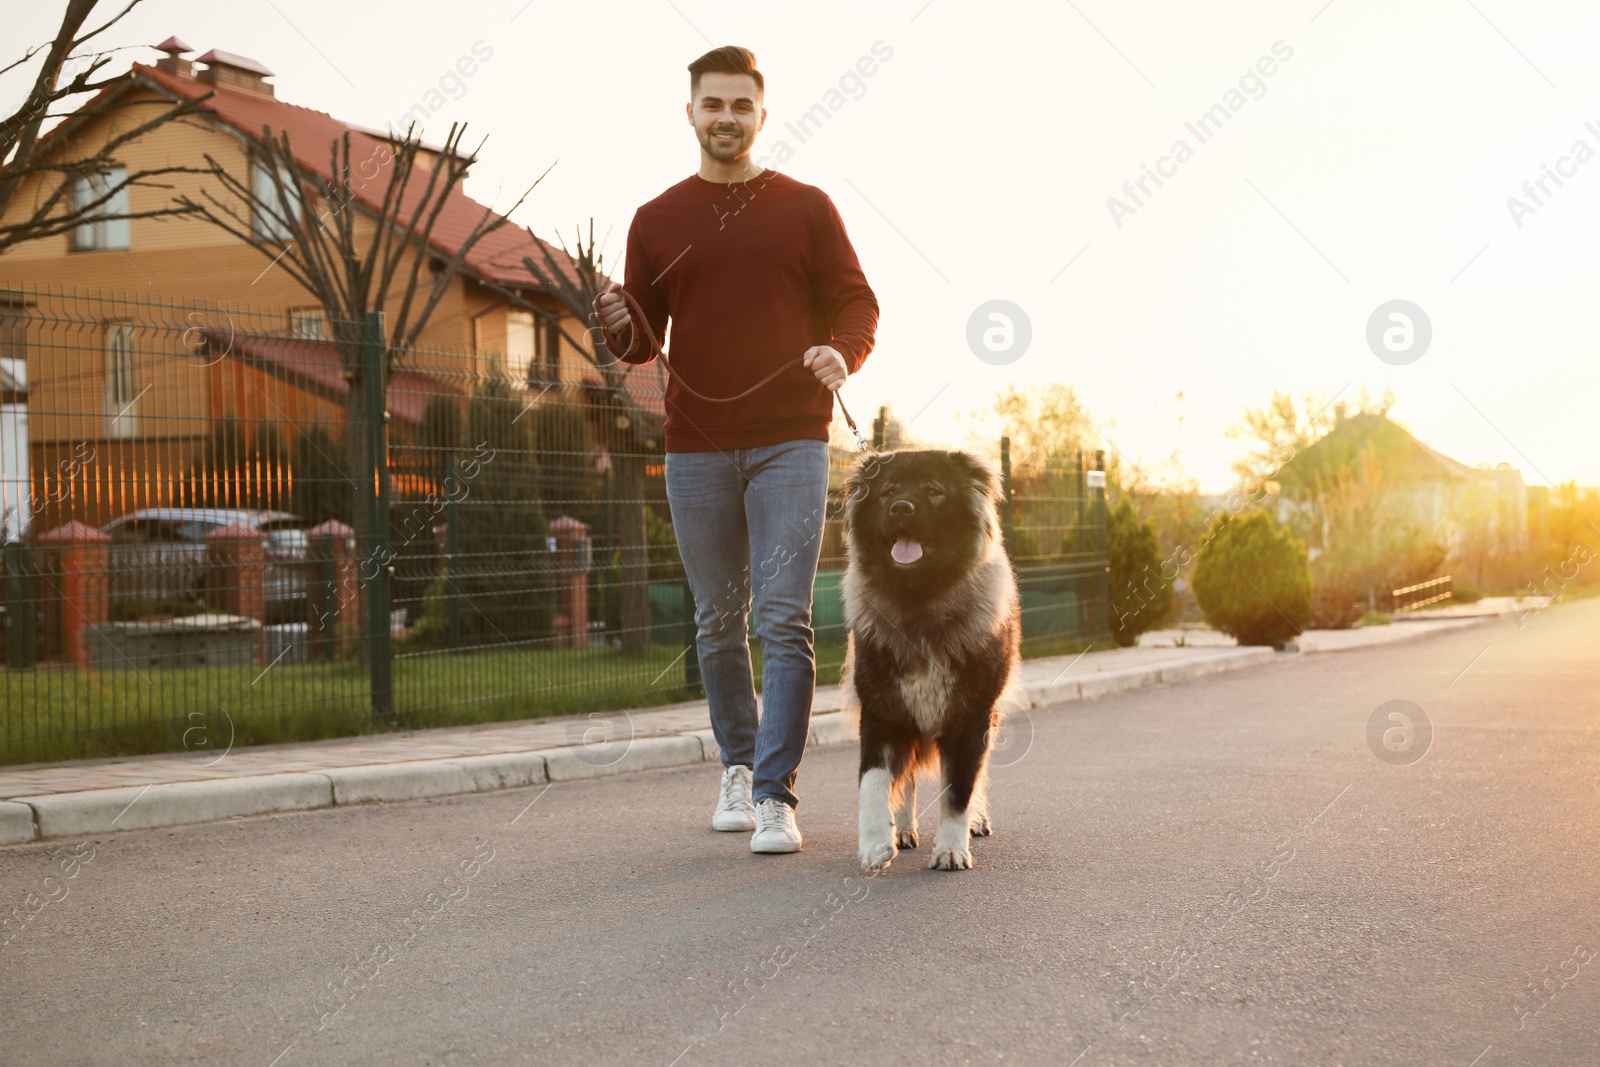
[[1397, 452]]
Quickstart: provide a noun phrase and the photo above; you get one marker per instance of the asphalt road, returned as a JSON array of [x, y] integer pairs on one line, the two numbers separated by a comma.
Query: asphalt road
[[1221, 872]]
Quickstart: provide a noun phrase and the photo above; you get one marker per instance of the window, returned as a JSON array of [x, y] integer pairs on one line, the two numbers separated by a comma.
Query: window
[[121, 393], [520, 343], [308, 324], [275, 208], [13, 329], [549, 350], [104, 212]]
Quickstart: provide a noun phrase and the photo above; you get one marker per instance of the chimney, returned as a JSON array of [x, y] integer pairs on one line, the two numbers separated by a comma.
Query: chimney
[[174, 49], [239, 72], [1338, 412]]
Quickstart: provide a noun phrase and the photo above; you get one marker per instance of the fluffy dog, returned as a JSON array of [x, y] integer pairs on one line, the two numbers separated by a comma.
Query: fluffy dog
[[934, 645]]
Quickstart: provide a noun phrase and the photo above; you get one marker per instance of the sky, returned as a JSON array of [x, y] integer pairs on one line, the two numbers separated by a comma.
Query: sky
[[1361, 152]]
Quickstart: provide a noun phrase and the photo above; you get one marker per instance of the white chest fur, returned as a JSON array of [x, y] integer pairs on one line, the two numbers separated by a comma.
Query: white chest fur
[[926, 691]]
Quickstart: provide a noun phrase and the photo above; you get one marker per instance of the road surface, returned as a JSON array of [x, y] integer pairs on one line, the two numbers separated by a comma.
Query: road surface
[[1242, 869]]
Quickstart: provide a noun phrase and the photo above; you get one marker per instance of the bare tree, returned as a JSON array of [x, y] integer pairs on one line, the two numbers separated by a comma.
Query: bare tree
[[29, 158], [403, 188], [630, 430]]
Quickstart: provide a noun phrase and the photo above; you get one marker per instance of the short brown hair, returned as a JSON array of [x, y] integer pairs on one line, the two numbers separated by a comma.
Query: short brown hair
[[729, 59]]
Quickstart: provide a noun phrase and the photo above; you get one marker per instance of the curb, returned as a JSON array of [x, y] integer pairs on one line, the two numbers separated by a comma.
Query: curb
[[38, 818], [173, 804], [417, 779], [16, 823]]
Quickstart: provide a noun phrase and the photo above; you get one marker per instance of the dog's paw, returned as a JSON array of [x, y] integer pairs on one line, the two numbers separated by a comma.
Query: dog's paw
[[981, 826], [906, 838], [951, 859], [877, 853]]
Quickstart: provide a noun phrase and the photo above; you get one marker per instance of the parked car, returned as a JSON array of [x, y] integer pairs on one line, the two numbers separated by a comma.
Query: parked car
[[157, 553]]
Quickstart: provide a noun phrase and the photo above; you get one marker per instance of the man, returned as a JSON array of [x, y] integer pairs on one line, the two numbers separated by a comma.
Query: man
[[754, 270]]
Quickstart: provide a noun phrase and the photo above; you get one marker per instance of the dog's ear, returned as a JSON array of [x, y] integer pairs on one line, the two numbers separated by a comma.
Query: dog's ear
[[981, 472], [858, 483]]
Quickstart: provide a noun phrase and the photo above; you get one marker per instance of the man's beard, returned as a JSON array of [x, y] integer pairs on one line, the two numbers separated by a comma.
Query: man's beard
[[724, 152]]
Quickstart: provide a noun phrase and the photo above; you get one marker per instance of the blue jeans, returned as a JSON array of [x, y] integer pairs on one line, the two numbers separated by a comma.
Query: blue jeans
[[730, 508]]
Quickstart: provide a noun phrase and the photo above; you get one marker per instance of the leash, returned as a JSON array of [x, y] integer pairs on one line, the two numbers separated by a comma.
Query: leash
[[640, 322]]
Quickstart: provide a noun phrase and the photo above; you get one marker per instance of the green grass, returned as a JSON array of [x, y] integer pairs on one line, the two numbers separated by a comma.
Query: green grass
[[1374, 618], [59, 713], [56, 714]]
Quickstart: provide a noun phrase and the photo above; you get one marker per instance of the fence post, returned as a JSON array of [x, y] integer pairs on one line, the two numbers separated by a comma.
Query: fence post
[[332, 590], [236, 577], [878, 428], [452, 554], [1082, 538], [82, 557], [21, 610], [611, 584], [374, 346], [572, 581], [1005, 492], [1103, 611]]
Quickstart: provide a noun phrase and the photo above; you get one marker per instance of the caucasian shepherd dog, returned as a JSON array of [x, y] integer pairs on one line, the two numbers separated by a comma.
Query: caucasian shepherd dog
[[934, 647]]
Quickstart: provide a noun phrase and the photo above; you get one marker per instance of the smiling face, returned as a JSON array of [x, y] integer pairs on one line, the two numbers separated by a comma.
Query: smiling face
[[920, 517], [726, 114]]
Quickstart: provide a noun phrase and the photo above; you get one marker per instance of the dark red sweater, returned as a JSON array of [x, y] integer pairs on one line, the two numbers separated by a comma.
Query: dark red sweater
[[751, 274]]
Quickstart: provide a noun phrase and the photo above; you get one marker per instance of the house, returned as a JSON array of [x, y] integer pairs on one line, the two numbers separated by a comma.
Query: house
[[1477, 513], [140, 336]]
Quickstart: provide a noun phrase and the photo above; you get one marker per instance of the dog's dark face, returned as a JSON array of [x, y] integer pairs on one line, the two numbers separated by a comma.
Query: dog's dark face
[[920, 519]]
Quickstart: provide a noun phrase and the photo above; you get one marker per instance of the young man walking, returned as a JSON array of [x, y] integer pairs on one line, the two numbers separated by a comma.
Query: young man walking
[[754, 270]]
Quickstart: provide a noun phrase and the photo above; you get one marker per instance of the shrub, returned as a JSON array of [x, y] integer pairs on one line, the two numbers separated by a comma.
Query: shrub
[[321, 491], [1374, 618], [1334, 606], [1141, 597], [504, 579], [1463, 591], [1253, 580], [1023, 547]]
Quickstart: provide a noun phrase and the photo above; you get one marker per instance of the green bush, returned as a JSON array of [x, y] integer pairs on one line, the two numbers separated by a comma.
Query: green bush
[[1141, 597], [1023, 547], [1253, 580], [1463, 591], [504, 584], [1374, 618]]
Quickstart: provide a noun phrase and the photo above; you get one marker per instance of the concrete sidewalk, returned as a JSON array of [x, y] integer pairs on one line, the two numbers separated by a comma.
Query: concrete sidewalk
[[46, 801]]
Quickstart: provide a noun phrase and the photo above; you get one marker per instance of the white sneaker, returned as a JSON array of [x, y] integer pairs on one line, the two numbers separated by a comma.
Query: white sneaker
[[734, 808], [775, 828]]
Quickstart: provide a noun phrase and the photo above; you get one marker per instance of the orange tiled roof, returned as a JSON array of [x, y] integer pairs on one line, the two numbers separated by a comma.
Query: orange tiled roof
[[497, 257], [315, 365]]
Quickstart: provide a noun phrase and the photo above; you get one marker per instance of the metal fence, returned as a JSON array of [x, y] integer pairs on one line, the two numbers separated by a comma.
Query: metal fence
[[225, 526]]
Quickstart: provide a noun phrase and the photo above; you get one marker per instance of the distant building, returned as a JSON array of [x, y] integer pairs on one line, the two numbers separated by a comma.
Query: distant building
[[1477, 512]]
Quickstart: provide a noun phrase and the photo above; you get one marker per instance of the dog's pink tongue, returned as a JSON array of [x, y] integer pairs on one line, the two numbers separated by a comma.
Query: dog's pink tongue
[[906, 550]]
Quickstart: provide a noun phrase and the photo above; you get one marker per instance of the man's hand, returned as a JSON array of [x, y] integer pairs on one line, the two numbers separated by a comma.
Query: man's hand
[[828, 365], [613, 312]]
